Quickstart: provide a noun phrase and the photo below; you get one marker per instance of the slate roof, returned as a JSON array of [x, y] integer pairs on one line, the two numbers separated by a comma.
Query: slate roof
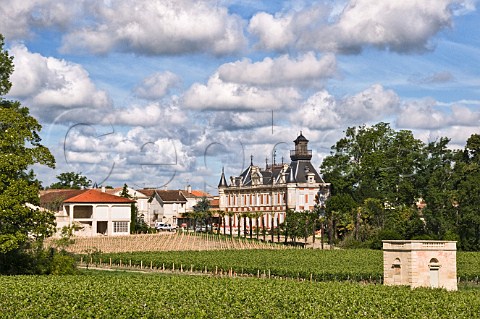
[[95, 196], [146, 192], [171, 196], [299, 171], [296, 172], [223, 181], [55, 197], [300, 138]]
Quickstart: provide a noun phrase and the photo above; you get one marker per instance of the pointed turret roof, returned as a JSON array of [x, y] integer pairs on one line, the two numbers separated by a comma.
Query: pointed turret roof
[[223, 181], [300, 138]]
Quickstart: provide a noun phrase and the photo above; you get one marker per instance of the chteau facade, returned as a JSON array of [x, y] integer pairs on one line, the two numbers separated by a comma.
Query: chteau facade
[[273, 190]]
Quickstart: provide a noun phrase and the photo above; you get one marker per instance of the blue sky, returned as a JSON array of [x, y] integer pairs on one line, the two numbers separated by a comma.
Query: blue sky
[[166, 93]]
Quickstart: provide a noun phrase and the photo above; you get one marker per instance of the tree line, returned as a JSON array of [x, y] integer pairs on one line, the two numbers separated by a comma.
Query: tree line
[[386, 184]]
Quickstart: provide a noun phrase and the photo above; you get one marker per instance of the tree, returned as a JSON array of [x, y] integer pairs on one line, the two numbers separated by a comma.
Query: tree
[[376, 162], [375, 172], [466, 203], [71, 180], [124, 193], [338, 212], [202, 211], [299, 224], [20, 225], [133, 218]]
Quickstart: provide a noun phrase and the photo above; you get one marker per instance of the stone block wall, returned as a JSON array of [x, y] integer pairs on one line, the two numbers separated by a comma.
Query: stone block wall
[[420, 263]]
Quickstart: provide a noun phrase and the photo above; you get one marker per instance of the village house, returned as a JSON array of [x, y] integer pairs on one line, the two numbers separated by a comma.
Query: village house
[[141, 202], [92, 212], [171, 206]]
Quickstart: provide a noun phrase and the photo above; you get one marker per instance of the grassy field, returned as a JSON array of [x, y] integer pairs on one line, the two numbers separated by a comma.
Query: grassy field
[[131, 295]]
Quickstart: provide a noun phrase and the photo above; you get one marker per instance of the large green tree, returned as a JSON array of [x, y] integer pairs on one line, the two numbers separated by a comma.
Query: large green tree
[[71, 180], [377, 176], [20, 148], [376, 162], [466, 207]]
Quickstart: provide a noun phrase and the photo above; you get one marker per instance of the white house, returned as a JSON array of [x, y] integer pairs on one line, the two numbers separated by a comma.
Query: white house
[[98, 213], [166, 205], [194, 196], [142, 202]]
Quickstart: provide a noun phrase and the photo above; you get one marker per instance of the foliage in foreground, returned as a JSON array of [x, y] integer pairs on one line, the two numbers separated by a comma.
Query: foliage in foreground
[[22, 227], [37, 261], [121, 295]]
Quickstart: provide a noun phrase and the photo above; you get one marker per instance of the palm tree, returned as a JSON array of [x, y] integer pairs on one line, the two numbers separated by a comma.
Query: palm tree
[[264, 231], [245, 216], [230, 224], [221, 214], [188, 216], [239, 222], [250, 215], [257, 215], [202, 209]]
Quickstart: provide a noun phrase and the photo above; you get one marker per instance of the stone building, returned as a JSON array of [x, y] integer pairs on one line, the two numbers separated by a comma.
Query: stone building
[[271, 191], [420, 263]]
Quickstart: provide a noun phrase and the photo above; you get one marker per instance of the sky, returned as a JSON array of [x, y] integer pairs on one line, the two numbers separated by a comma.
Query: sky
[[167, 93]]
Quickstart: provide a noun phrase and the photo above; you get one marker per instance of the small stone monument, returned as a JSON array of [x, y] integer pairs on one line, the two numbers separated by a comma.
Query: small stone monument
[[420, 263]]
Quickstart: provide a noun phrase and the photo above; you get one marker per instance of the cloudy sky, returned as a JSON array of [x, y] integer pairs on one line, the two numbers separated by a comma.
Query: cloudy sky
[[167, 92]]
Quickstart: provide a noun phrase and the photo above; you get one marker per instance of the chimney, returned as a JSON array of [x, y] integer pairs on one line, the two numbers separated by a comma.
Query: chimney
[[103, 189], [189, 189]]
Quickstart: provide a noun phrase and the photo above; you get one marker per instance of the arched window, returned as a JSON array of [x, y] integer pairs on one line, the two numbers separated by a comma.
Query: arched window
[[396, 263], [434, 266], [397, 271]]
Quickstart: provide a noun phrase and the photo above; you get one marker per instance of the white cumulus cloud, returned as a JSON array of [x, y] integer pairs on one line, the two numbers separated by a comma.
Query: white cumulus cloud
[[306, 70], [158, 27], [51, 86], [372, 104], [324, 111], [220, 95], [401, 26], [148, 115], [157, 85], [21, 18]]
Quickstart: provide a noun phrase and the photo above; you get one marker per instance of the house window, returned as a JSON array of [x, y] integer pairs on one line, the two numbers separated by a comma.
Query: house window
[[120, 227]]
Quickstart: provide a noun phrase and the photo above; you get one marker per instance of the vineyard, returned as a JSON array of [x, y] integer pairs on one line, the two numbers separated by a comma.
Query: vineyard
[[129, 295], [318, 265], [181, 241]]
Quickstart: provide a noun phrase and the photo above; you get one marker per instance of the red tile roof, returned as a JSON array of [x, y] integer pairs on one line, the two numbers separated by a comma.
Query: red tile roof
[[94, 196], [215, 204], [200, 193]]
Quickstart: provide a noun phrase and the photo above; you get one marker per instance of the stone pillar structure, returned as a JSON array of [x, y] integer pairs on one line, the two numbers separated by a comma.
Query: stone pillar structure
[[420, 263]]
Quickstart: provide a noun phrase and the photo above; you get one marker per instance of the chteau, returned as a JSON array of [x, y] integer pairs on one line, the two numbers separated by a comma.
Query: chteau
[[274, 189]]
